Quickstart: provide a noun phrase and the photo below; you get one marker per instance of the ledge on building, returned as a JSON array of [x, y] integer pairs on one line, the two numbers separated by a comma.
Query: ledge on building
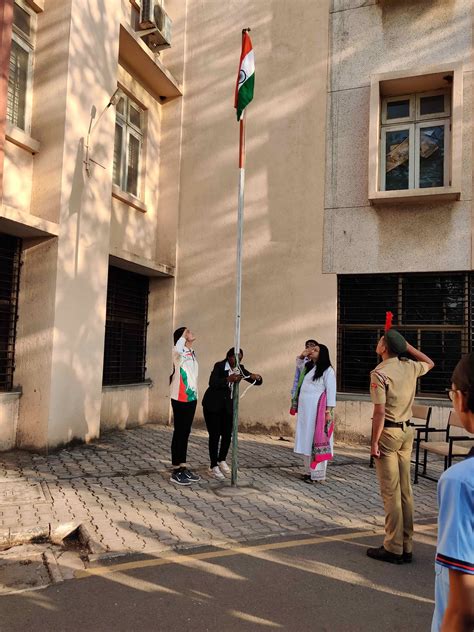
[[441, 402], [9, 396], [20, 138], [128, 199], [414, 195], [25, 225], [134, 263], [126, 387], [142, 64], [36, 5]]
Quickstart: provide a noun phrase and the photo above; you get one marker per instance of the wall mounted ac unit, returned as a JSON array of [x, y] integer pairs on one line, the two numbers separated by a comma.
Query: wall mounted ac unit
[[153, 16]]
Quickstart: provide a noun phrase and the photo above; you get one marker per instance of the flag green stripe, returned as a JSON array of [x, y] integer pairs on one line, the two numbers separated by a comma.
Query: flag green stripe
[[245, 95]]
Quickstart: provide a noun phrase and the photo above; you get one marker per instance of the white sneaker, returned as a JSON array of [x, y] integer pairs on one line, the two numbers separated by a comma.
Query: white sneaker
[[216, 473], [224, 467]]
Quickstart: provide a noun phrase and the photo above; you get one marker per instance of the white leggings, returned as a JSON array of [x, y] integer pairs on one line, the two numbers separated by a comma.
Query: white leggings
[[319, 473]]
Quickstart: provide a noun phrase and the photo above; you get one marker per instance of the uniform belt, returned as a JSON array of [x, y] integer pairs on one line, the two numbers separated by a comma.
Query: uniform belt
[[396, 424]]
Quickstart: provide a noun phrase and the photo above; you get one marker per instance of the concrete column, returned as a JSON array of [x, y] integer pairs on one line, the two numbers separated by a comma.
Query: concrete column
[[69, 364], [83, 246]]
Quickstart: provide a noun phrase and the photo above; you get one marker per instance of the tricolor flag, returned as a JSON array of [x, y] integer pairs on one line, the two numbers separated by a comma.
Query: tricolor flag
[[246, 76]]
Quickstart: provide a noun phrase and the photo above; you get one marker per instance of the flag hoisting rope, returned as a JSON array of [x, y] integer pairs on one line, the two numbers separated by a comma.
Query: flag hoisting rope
[[243, 95]]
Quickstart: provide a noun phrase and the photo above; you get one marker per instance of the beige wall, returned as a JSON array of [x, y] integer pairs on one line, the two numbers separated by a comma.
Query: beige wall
[[403, 237], [286, 298]]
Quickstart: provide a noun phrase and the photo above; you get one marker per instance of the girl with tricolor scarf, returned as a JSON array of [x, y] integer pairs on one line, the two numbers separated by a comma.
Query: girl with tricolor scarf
[[316, 392]]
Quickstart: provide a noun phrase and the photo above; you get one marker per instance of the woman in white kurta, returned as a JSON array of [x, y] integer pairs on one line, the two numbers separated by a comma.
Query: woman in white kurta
[[318, 379]]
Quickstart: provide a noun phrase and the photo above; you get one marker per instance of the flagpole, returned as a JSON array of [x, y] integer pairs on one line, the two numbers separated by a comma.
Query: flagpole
[[238, 298]]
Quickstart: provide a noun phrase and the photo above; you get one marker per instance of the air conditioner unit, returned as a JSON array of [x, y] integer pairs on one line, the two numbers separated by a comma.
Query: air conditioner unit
[[146, 14], [155, 25], [161, 38]]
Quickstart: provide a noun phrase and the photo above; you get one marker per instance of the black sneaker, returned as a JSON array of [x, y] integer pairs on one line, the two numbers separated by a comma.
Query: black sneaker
[[179, 477], [191, 476], [407, 558], [383, 555]]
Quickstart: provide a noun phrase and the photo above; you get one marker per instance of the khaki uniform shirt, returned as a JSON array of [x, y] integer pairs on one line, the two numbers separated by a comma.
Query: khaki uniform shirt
[[393, 383]]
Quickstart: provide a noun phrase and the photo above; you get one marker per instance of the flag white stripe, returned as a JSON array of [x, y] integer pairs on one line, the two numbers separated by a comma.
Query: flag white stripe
[[247, 66]]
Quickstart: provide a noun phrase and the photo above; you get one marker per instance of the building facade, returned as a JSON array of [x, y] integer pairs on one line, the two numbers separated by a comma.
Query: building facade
[[118, 187]]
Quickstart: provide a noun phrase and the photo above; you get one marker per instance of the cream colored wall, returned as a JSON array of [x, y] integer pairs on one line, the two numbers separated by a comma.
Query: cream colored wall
[[17, 180], [286, 298], [50, 78], [403, 237], [8, 420], [34, 339], [124, 407]]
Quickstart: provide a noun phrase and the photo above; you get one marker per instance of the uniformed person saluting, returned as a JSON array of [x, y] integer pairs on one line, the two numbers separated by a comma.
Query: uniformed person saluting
[[392, 390]]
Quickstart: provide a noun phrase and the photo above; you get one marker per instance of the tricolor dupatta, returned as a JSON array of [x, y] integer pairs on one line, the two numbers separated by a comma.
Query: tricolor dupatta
[[322, 434]]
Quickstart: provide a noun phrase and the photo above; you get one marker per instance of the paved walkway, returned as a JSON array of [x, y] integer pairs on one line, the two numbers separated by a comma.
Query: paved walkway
[[119, 488]]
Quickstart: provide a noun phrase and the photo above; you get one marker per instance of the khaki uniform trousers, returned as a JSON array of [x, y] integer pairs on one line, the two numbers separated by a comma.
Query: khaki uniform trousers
[[393, 471]]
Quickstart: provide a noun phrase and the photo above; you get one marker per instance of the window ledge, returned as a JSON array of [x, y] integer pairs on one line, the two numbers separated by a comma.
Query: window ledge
[[441, 402], [127, 387], [8, 396], [18, 137], [414, 195], [128, 198]]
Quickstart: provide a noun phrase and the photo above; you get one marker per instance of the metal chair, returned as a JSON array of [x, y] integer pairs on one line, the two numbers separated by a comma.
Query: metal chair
[[447, 448]]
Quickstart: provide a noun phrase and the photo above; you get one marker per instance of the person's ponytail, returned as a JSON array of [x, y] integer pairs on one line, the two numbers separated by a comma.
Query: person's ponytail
[[177, 334]]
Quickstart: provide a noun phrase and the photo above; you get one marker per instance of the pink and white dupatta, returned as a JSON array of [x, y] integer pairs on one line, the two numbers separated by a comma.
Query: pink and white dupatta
[[322, 434]]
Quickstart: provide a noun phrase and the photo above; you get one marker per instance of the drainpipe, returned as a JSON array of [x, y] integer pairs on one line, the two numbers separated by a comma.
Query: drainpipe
[[6, 21]]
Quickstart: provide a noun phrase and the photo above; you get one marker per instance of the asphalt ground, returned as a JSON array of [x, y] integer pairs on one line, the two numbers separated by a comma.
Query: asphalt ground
[[314, 582]]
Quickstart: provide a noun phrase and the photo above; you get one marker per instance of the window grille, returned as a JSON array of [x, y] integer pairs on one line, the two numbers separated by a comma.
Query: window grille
[[125, 328], [10, 249], [432, 311]]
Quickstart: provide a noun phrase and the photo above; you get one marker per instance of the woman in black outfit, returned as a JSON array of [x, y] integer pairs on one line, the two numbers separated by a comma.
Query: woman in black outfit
[[218, 408]]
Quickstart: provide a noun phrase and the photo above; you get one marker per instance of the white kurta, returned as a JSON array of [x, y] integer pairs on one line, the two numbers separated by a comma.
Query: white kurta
[[310, 393]]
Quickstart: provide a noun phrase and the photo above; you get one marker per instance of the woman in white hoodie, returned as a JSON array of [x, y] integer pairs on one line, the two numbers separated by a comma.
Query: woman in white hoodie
[[184, 395]]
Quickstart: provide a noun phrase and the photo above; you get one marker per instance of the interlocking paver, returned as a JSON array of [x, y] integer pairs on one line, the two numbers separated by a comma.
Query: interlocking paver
[[119, 487]]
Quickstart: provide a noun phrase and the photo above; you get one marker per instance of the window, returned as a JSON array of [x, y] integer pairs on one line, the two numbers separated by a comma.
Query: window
[[125, 328], [128, 145], [21, 68], [433, 312], [415, 135], [10, 248]]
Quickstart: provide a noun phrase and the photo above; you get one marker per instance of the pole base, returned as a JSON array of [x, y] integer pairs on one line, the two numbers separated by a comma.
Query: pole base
[[230, 491]]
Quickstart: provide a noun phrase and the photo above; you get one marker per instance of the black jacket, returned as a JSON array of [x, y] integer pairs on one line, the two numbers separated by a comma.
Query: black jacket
[[217, 398]]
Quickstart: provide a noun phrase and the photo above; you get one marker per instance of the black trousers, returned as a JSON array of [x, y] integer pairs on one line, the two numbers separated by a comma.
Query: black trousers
[[219, 427], [183, 415]]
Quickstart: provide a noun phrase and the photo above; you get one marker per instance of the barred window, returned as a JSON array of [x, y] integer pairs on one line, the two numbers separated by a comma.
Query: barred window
[[10, 248], [431, 310], [125, 328]]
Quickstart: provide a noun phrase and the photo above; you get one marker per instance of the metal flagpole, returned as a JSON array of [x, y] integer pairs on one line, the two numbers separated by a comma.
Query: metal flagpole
[[240, 232]]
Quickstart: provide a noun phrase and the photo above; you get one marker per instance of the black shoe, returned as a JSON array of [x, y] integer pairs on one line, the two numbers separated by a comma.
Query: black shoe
[[407, 558], [383, 555], [191, 476], [305, 477], [178, 477]]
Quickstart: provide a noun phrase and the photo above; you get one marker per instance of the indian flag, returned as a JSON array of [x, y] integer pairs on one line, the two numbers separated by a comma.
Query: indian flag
[[246, 77]]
